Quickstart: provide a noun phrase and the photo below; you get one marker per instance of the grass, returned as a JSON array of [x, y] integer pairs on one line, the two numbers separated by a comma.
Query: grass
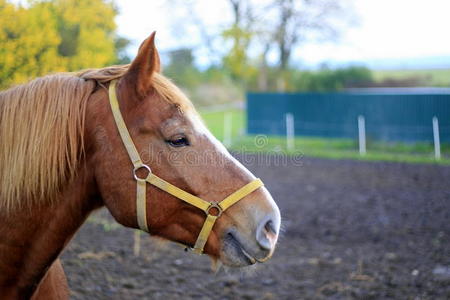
[[339, 149], [335, 148], [430, 77], [215, 122]]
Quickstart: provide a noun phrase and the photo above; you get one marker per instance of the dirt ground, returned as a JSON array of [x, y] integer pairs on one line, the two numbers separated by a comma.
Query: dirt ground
[[352, 230]]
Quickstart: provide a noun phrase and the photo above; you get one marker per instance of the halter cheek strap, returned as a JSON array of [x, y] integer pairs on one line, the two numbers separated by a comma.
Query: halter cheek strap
[[213, 210]]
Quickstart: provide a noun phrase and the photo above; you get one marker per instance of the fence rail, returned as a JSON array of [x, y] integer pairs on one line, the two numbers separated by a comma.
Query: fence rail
[[398, 117], [230, 126]]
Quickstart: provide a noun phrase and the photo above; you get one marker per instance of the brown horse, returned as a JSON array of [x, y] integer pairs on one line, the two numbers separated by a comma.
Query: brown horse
[[62, 157]]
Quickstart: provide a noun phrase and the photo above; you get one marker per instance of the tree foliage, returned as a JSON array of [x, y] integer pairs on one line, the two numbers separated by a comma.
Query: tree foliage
[[324, 79], [29, 42], [302, 20], [181, 68], [237, 61], [261, 29], [54, 36], [329, 80]]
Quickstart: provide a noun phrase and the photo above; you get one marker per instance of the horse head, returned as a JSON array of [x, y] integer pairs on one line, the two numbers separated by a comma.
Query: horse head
[[174, 143]]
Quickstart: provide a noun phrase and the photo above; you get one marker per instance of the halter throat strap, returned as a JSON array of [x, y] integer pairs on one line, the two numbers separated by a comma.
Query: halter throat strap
[[213, 210]]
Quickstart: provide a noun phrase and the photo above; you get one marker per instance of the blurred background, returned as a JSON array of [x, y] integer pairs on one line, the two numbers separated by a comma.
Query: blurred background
[[220, 51], [342, 107]]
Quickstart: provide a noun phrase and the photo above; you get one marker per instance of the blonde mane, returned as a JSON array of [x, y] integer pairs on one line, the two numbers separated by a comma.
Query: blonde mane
[[41, 126]]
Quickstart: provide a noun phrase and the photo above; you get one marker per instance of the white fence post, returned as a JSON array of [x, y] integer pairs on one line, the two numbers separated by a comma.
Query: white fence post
[[137, 243], [437, 141], [227, 126], [290, 132], [362, 135]]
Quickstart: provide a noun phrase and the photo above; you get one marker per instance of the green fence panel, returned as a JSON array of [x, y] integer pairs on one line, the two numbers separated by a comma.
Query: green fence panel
[[389, 117]]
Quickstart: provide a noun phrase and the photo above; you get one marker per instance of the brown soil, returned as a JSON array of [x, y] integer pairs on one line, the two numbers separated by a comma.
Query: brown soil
[[352, 230]]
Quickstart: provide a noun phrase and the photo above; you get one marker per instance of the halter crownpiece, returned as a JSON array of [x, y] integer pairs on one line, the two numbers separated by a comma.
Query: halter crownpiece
[[213, 210]]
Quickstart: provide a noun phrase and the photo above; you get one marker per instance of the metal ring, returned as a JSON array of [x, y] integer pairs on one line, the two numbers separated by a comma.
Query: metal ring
[[139, 167], [217, 206]]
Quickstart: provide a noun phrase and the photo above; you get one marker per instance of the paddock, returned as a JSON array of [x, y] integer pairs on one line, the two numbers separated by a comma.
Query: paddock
[[352, 230]]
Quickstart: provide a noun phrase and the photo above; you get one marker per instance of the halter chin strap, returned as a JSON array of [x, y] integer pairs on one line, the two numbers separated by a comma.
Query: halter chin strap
[[213, 210]]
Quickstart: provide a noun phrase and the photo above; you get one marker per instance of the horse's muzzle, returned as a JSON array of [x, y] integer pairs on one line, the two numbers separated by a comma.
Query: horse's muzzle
[[242, 248]]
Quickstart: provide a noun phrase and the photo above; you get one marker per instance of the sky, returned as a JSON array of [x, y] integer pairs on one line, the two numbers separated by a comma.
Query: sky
[[389, 34]]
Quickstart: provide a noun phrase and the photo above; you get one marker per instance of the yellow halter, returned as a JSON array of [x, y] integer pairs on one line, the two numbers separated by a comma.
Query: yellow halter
[[213, 210]]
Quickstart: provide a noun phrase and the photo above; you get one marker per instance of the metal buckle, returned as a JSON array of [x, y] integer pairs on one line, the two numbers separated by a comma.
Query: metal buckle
[[139, 167], [216, 206]]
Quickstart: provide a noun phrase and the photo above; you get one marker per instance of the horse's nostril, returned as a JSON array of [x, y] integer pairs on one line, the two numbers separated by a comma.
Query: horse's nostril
[[270, 227], [265, 230]]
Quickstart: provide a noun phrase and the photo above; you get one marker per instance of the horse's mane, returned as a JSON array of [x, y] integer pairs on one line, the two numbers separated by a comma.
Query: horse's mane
[[41, 126]]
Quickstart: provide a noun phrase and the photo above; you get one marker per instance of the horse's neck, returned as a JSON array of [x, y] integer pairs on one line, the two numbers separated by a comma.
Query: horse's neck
[[31, 239]]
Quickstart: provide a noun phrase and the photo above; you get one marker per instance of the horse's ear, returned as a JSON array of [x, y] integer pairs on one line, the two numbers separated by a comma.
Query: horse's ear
[[143, 66]]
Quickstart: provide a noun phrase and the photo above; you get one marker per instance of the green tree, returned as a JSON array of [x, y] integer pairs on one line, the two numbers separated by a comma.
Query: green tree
[[241, 34], [181, 68], [120, 45], [330, 80], [236, 61], [56, 35], [86, 28], [29, 41]]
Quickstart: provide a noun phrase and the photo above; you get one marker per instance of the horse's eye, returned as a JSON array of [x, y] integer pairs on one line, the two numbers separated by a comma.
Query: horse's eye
[[180, 141]]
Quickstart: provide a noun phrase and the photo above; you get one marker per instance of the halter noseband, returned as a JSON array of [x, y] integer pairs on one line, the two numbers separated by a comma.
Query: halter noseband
[[213, 210]]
